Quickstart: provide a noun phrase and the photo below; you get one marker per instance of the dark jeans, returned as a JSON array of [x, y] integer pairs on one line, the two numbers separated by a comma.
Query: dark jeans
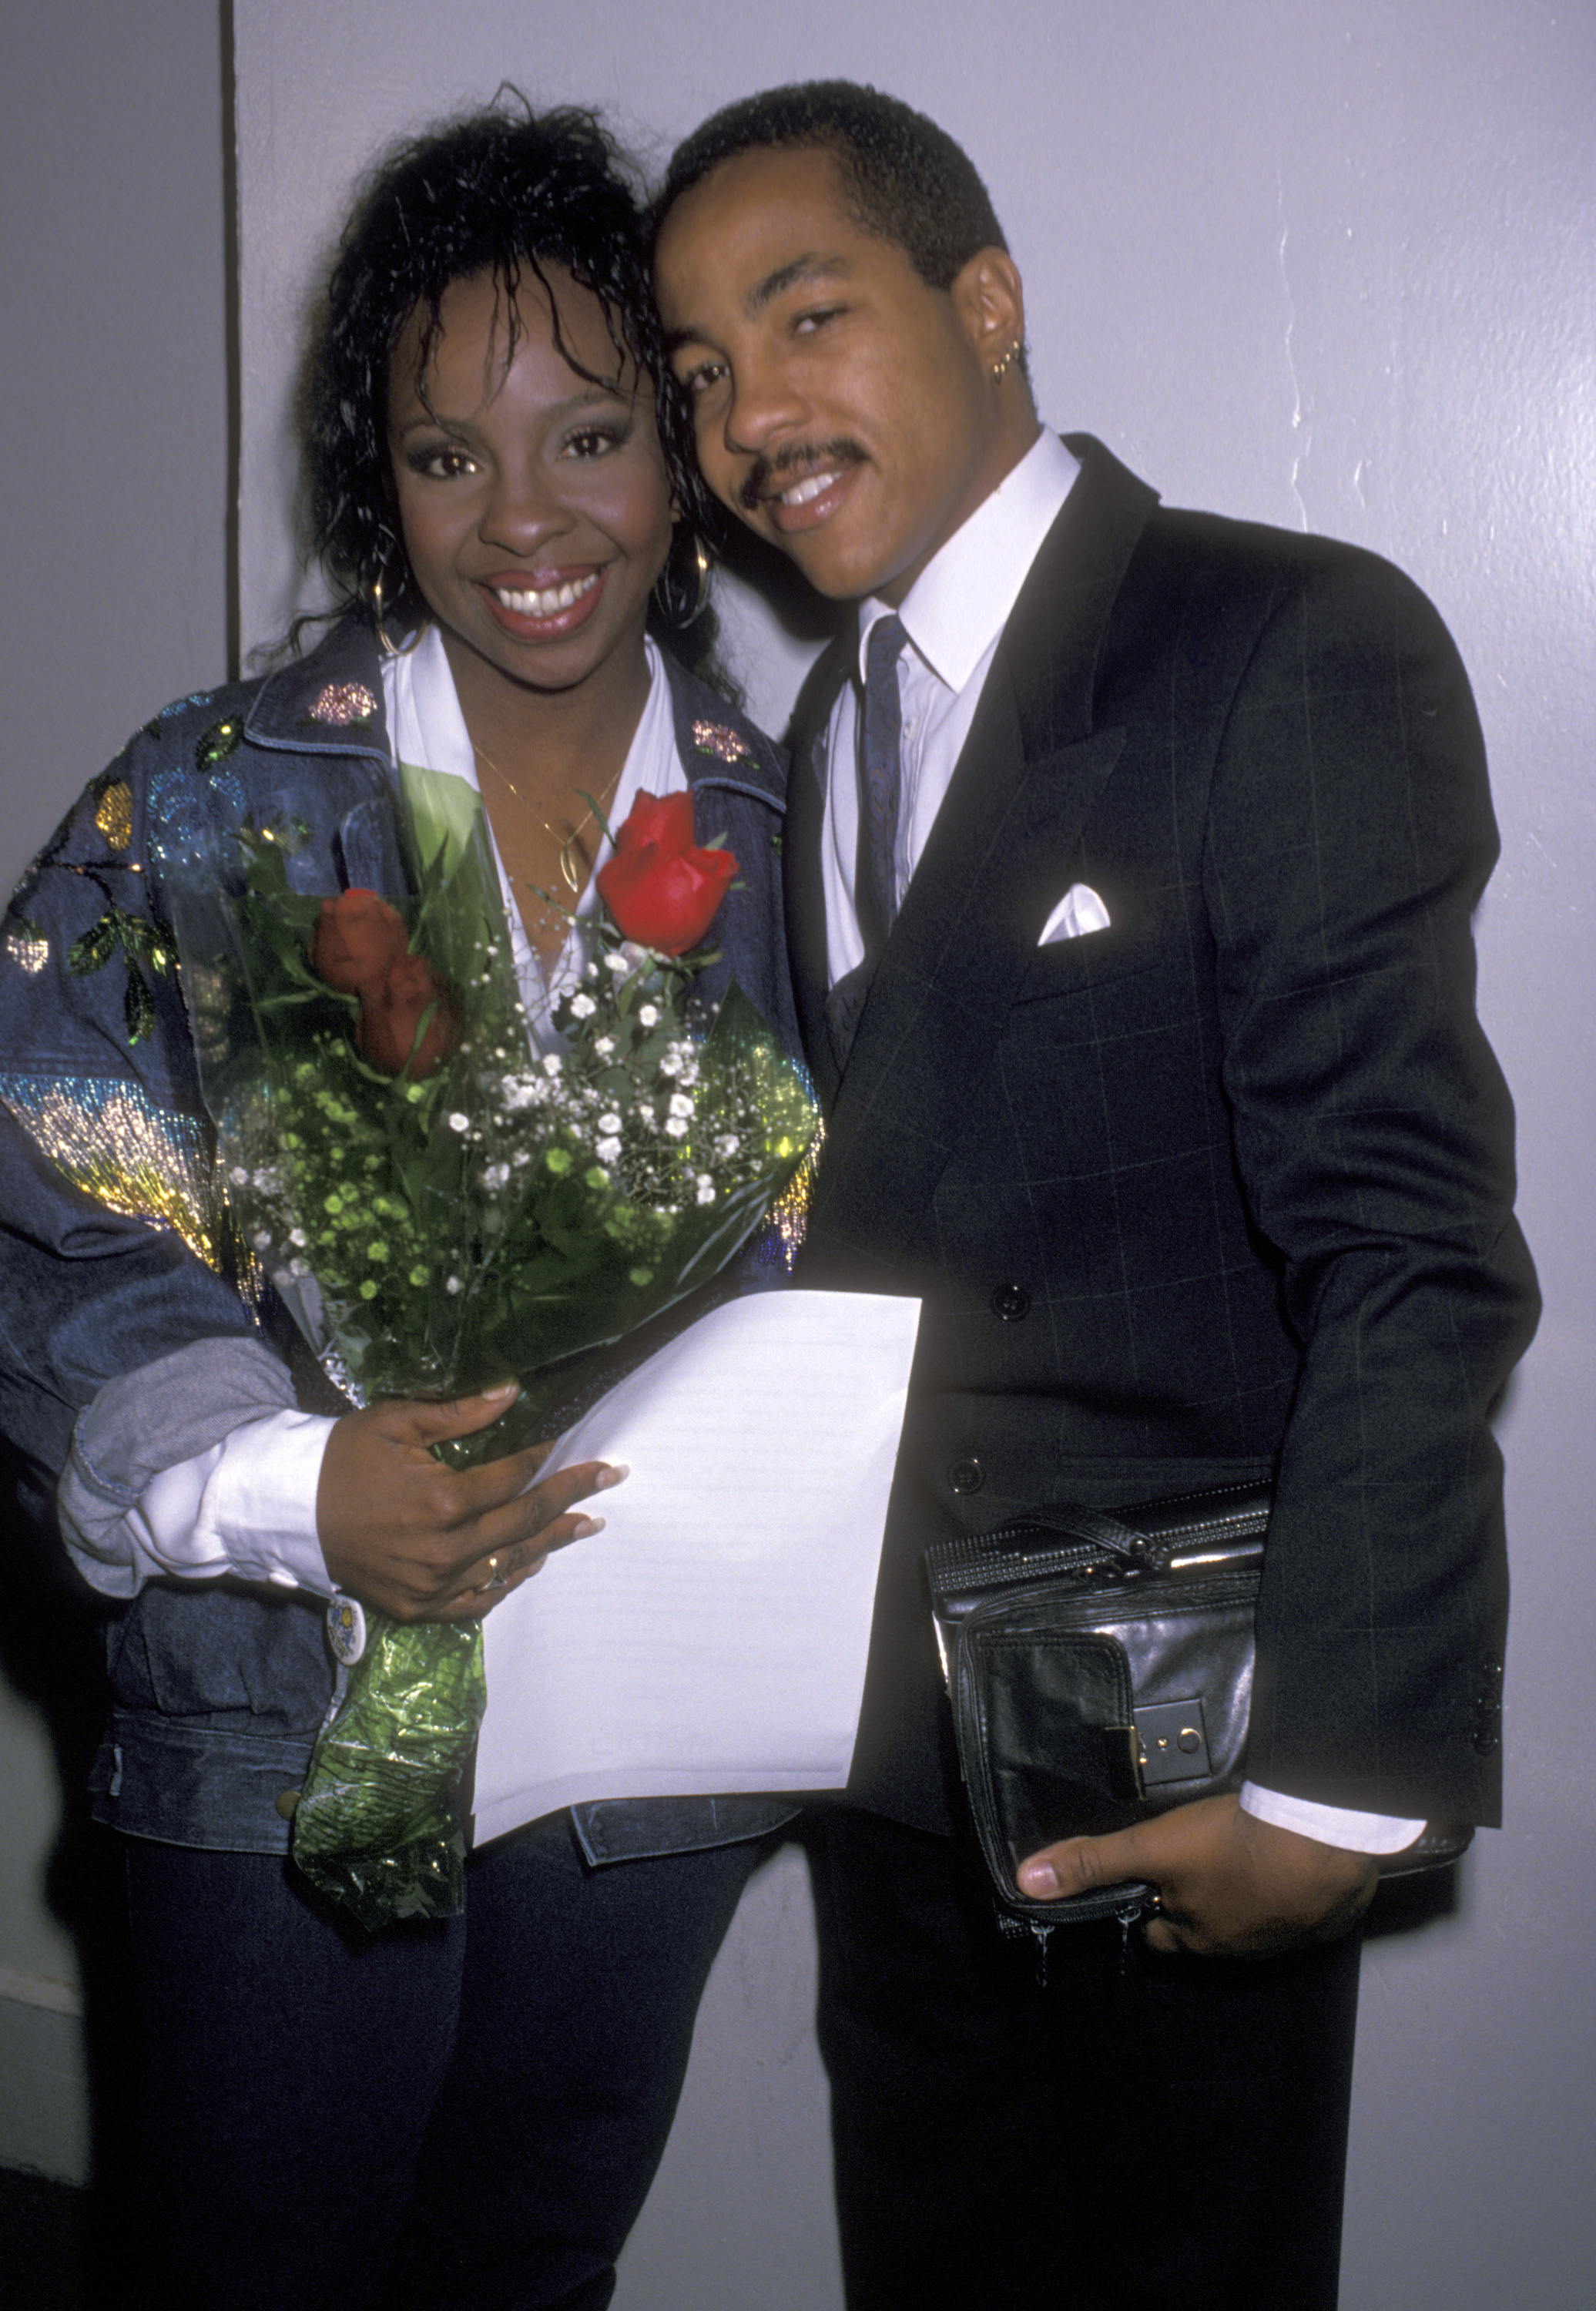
[[1137, 2134], [466, 2115]]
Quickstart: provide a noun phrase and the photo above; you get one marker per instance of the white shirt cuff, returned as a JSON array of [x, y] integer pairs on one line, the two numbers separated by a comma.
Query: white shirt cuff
[[1355, 1833], [246, 1506]]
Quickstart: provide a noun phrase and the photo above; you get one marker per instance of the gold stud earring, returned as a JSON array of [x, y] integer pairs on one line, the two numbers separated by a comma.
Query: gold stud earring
[[1001, 369]]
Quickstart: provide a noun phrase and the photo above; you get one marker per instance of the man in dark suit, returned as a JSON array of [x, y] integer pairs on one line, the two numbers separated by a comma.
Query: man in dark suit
[[1130, 858]]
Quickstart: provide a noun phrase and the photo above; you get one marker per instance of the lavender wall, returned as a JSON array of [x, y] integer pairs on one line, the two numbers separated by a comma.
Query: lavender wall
[[113, 599], [1323, 266]]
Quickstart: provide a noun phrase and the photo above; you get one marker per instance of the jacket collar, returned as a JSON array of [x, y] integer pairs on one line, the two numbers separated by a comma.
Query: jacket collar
[[717, 745], [331, 702]]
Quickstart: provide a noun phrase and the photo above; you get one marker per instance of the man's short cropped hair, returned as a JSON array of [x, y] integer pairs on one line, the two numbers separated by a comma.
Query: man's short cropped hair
[[903, 178]]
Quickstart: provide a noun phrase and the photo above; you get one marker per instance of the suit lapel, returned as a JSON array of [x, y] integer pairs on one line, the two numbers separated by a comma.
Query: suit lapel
[[1030, 773]]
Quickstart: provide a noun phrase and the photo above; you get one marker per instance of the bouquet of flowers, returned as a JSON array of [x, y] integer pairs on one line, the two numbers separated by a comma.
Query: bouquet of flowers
[[441, 1208]]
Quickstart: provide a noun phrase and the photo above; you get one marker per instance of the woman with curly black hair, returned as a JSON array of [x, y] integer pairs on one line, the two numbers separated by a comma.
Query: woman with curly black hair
[[468, 2113]]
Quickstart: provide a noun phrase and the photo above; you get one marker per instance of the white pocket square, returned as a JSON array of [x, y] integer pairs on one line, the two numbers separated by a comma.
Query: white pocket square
[[1079, 912]]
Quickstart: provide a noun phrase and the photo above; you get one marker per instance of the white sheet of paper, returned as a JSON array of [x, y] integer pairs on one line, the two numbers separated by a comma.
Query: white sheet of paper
[[712, 1638]]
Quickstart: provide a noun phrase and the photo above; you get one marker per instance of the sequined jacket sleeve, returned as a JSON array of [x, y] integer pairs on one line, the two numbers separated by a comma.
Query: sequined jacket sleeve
[[118, 1240], [118, 1244]]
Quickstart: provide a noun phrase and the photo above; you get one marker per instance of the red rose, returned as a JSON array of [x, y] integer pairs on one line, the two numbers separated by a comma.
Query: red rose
[[358, 938], [391, 1012], [659, 886], [361, 947]]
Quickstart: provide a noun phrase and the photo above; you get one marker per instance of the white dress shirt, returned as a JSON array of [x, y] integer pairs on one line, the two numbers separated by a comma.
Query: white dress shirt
[[954, 616], [246, 1504]]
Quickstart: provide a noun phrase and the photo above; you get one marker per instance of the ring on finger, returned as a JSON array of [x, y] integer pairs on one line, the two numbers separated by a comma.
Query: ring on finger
[[497, 1579], [1152, 1904]]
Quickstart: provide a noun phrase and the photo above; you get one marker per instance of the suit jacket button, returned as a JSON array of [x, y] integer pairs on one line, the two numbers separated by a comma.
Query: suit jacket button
[[287, 1803], [1011, 1302], [967, 1475], [1487, 1742]]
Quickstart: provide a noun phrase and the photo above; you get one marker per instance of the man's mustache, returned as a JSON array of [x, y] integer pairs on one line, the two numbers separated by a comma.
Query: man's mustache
[[768, 476]]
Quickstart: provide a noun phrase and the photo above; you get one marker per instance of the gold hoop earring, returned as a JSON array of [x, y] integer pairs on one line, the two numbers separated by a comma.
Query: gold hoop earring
[[664, 594], [701, 574], [1001, 369], [387, 648]]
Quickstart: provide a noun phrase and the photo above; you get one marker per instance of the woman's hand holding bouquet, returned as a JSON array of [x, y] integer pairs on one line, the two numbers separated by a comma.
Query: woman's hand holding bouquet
[[425, 1542]]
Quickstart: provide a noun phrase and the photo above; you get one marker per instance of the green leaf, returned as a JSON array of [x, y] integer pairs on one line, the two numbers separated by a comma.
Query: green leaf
[[444, 813], [222, 739], [597, 810], [96, 948], [139, 938], [138, 1006]]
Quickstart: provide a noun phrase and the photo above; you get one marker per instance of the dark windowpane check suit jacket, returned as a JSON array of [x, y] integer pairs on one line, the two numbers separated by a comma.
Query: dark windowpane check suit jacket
[[1224, 1187]]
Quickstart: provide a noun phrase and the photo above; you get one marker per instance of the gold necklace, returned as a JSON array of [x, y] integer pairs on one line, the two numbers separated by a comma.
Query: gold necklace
[[567, 854]]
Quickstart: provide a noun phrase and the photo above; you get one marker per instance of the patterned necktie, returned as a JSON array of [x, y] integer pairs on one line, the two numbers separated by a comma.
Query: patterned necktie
[[875, 876]]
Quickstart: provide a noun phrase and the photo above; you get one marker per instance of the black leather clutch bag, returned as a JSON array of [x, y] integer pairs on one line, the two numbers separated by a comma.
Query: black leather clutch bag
[[1100, 1671]]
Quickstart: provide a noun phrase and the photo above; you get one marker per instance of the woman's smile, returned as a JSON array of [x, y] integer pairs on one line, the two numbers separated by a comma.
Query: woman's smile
[[538, 606]]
